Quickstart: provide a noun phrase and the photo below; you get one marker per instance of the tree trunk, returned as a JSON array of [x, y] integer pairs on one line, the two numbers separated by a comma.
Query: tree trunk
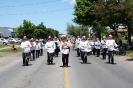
[[116, 33], [129, 34]]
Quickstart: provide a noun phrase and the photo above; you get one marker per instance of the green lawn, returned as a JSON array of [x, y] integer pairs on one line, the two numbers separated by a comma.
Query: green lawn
[[10, 51], [1, 45], [129, 53]]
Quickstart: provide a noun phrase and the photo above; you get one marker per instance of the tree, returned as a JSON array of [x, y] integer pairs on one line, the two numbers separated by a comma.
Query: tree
[[32, 31], [77, 30], [99, 30], [82, 13], [26, 29], [114, 13]]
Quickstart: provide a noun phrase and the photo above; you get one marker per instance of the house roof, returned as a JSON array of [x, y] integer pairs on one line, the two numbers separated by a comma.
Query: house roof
[[5, 31], [120, 30]]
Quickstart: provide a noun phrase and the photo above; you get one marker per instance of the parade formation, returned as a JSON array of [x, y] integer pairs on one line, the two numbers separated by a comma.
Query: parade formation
[[32, 49]]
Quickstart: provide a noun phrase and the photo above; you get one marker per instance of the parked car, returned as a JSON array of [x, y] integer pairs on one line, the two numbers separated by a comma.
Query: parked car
[[4, 41], [12, 40], [19, 40]]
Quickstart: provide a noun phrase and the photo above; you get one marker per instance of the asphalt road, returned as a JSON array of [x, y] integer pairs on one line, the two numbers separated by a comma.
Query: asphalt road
[[97, 73]]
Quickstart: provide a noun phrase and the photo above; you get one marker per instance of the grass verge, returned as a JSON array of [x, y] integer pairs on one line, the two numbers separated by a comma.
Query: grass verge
[[129, 53], [10, 51]]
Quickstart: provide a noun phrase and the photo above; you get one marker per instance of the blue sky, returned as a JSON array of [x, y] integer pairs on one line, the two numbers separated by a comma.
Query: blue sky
[[54, 13]]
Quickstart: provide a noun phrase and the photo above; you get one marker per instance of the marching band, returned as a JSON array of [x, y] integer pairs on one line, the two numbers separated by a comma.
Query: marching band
[[95, 47]]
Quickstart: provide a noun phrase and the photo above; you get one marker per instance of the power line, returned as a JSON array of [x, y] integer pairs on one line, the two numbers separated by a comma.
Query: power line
[[40, 12], [28, 4]]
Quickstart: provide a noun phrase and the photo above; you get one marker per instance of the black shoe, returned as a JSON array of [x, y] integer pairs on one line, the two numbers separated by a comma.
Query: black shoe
[[112, 63]]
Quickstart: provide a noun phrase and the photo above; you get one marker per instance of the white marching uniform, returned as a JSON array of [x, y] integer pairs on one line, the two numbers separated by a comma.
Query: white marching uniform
[[84, 45], [50, 46], [65, 47], [33, 46], [38, 46], [78, 40], [103, 42], [111, 44], [25, 45], [97, 45]]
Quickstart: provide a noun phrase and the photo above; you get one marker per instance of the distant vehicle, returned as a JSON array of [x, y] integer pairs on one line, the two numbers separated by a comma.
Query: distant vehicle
[[12, 40], [18, 40], [4, 41]]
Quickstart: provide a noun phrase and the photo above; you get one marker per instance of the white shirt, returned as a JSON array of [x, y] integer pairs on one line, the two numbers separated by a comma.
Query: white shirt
[[38, 47], [111, 44], [97, 44], [65, 46], [103, 42], [84, 45], [41, 45], [25, 45], [33, 45], [57, 41], [78, 42], [50, 46]]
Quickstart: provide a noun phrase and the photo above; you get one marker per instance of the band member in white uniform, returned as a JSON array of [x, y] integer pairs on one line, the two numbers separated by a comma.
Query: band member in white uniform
[[33, 43], [41, 47], [84, 46], [110, 45], [104, 48], [65, 50], [50, 46], [25, 45], [97, 46], [57, 44], [78, 40], [93, 46], [37, 48]]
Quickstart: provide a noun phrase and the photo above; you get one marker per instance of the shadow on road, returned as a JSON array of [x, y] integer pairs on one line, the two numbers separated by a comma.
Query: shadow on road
[[85, 63], [129, 59], [110, 63], [64, 66], [27, 65], [50, 64]]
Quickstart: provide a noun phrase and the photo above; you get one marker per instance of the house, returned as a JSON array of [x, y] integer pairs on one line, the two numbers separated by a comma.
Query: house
[[6, 32], [120, 30]]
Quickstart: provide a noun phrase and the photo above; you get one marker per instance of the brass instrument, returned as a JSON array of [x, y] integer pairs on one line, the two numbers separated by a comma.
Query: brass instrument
[[32, 45]]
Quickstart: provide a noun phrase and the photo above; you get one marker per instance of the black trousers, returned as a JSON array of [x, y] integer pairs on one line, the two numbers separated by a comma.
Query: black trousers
[[41, 52], [82, 55], [65, 58], [104, 53], [93, 50], [33, 54], [110, 57], [48, 58], [25, 59], [37, 53], [78, 53], [98, 52]]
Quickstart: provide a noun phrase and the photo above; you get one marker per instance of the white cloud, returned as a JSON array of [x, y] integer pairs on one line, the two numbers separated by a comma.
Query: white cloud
[[70, 1], [44, 10]]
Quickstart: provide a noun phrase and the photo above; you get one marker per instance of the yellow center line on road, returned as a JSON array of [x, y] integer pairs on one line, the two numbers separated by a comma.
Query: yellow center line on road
[[67, 78]]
